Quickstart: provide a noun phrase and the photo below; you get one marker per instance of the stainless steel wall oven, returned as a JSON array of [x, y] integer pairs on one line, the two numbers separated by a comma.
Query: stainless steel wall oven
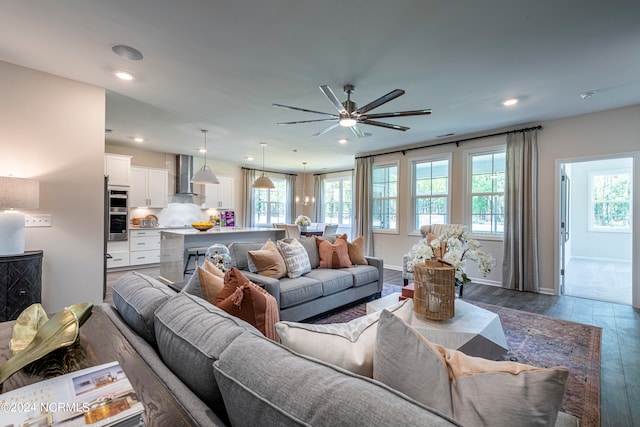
[[118, 214]]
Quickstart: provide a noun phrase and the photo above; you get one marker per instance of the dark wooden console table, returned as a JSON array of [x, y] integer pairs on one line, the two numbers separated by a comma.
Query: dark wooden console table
[[20, 283], [101, 342]]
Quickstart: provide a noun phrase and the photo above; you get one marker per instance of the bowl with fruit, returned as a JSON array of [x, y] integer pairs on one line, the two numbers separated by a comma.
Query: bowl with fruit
[[202, 225]]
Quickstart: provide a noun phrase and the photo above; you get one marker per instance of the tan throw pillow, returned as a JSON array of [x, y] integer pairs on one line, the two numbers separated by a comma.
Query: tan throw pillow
[[210, 284], [347, 345], [249, 302], [356, 252], [478, 391], [211, 268], [334, 255], [268, 261], [486, 392]]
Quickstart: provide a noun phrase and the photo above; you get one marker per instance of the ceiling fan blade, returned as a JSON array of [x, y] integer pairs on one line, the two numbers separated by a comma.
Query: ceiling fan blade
[[382, 100], [396, 114], [303, 109], [357, 131], [327, 129], [332, 97], [384, 125], [306, 121]]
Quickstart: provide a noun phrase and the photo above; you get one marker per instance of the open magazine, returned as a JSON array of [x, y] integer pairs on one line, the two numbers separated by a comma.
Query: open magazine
[[97, 396]]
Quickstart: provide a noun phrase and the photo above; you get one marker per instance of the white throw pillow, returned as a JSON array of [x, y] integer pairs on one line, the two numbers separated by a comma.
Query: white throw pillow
[[295, 258], [347, 345]]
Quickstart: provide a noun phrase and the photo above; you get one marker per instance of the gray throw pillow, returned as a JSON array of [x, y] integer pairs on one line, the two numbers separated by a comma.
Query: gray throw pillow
[[407, 362]]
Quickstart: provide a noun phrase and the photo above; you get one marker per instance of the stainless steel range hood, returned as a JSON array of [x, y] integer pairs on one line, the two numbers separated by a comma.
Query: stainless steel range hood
[[184, 171]]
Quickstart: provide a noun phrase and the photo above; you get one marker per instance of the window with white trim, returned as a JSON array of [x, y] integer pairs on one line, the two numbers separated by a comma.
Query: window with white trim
[[430, 191], [384, 197], [337, 196], [487, 185], [610, 200], [271, 204]]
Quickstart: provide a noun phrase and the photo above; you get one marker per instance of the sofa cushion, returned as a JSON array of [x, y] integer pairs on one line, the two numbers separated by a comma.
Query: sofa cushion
[[298, 290], [348, 345], [239, 253], [312, 251], [334, 255], [210, 283], [363, 274], [249, 302], [268, 261], [193, 286], [136, 296], [264, 383], [405, 361], [332, 280], [295, 258], [356, 251], [191, 333]]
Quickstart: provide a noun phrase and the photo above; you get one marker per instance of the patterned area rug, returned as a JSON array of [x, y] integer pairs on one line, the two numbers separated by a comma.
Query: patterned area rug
[[540, 341]]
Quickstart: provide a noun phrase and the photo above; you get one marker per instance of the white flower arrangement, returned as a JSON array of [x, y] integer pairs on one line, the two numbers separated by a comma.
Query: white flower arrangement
[[303, 220], [457, 248]]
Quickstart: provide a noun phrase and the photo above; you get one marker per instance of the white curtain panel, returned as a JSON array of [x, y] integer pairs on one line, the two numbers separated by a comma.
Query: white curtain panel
[[248, 178], [520, 265]]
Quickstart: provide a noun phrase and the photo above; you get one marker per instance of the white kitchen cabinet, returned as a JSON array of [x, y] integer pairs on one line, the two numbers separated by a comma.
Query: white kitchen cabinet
[[219, 196], [118, 168], [119, 254], [149, 187], [144, 246]]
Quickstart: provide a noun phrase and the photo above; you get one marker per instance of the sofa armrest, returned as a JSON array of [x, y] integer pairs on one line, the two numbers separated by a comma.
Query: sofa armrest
[[379, 264], [269, 284]]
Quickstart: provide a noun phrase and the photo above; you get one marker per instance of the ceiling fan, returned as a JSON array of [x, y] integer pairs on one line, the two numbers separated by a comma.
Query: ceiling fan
[[350, 116]]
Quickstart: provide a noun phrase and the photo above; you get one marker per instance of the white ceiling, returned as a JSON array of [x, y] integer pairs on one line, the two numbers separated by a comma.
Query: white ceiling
[[219, 65]]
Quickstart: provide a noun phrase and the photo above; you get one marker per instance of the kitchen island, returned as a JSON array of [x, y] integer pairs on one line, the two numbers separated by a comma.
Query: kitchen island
[[175, 242]]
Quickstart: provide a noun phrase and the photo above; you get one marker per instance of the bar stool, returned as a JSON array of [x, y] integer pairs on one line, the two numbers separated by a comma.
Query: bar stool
[[195, 254]]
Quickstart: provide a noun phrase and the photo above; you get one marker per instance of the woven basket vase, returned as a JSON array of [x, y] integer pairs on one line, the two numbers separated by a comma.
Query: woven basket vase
[[434, 290]]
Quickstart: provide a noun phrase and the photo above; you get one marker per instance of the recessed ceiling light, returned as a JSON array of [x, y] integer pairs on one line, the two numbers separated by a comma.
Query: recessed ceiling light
[[342, 141], [124, 75], [249, 158], [587, 95], [138, 139], [202, 150], [128, 52], [510, 101]]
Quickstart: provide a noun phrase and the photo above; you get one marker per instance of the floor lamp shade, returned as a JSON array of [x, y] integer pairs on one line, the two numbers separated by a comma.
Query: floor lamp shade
[[15, 193]]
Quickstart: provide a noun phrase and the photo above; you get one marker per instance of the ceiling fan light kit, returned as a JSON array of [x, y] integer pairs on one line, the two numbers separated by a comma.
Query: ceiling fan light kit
[[350, 116], [263, 181], [205, 175]]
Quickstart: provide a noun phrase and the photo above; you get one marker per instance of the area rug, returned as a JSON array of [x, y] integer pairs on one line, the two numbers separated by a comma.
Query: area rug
[[541, 341]]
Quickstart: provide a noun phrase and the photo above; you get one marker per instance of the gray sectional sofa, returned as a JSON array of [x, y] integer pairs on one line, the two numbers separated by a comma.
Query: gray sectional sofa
[[315, 292], [223, 371]]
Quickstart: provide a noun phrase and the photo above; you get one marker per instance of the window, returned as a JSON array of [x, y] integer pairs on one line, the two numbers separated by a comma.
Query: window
[[271, 204], [430, 192], [487, 191], [385, 197], [610, 200], [338, 200]]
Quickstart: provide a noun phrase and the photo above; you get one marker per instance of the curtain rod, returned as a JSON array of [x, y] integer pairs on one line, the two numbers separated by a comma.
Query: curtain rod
[[328, 172], [268, 171], [404, 150]]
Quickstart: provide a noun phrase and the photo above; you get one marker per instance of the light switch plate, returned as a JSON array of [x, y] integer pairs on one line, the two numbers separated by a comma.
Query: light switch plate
[[37, 220]]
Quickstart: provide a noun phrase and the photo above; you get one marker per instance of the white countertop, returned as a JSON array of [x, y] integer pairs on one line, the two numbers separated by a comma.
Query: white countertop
[[217, 230]]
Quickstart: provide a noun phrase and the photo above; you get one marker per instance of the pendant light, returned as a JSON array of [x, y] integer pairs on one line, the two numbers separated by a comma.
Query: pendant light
[[205, 175], [305, 199], [263, 181]]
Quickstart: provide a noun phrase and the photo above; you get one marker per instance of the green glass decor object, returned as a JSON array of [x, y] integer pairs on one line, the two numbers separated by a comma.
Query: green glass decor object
[[60, 331]]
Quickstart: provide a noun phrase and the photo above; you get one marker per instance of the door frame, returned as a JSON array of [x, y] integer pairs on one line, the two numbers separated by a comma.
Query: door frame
[[635, 229]]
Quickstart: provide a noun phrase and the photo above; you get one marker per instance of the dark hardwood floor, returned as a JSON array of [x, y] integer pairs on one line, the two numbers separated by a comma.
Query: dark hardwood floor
[[620, 358]]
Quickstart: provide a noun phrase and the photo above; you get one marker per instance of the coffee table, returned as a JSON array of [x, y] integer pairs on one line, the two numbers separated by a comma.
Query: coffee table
[[473, 330]]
